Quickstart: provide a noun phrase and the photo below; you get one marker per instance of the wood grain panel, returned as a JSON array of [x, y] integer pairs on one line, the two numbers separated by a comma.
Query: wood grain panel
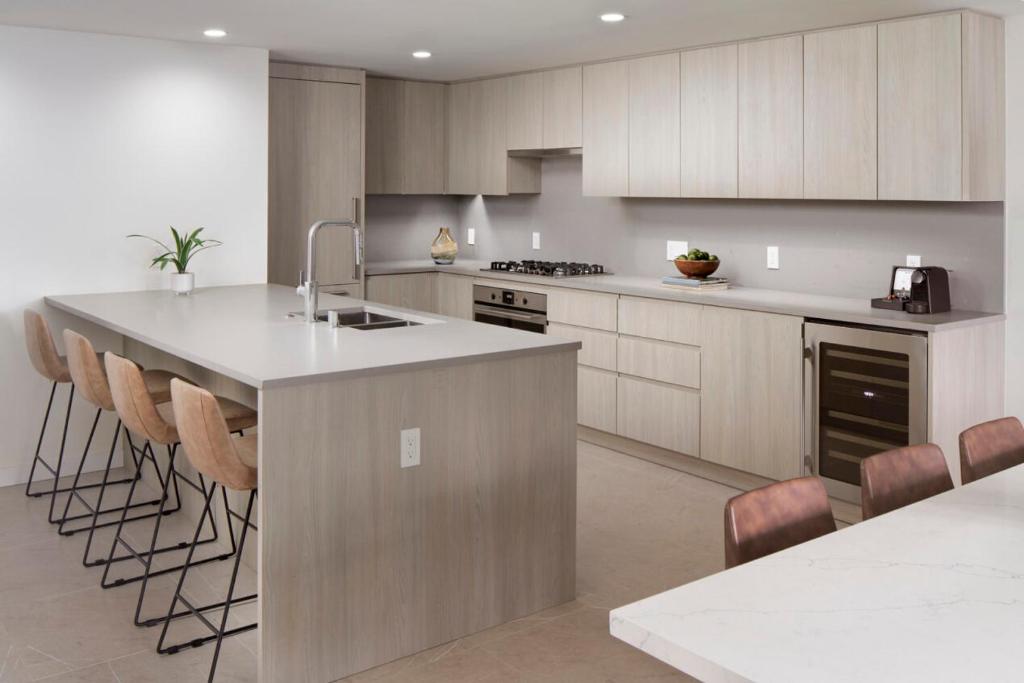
[[315, 72], [525, 111], [654, 126], [984, 107], [385, 146], [661, 361], [659, 414], [454, 295], [407, 290], [919, 109], [463, 140], [606, 130], [596, 399], [708, 155], [841, 114], [490, 99], [665, 320], [771, 127], [585, 309], [563, 108], [599, 347], [424, 138]]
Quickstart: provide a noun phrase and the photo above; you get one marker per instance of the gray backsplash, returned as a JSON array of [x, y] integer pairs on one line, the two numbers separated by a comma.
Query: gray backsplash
[[836, 248]]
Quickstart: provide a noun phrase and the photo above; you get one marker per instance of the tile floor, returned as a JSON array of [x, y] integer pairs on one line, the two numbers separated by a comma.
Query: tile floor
[[642, 529]]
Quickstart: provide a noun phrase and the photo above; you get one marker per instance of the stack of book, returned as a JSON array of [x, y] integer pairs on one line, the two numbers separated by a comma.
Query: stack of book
[[707, 284]]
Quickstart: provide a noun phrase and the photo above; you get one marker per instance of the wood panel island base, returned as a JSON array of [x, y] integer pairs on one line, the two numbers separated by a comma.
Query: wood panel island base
[[362, 561]]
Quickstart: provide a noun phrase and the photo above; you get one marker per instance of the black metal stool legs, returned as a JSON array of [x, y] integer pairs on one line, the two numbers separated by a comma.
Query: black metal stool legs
[[39, 444]]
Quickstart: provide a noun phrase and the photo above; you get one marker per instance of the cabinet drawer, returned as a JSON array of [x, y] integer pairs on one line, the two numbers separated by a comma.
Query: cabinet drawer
[[659, 414], [585, 309], [665, 320], [595, 398], [598, 346], [663, 361]]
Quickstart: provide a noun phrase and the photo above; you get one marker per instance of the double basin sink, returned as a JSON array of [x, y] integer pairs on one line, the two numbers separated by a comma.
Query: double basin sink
[[359, 318]]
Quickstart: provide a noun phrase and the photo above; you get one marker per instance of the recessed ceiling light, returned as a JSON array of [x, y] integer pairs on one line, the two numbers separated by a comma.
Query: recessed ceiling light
[[421, 54], [215, 33], [612, 17]]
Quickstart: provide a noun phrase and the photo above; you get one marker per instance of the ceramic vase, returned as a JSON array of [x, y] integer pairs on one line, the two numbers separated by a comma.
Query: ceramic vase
[[182, 284]]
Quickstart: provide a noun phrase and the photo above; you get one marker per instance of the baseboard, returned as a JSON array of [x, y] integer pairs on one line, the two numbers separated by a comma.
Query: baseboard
[[17, 475], [845, 512]]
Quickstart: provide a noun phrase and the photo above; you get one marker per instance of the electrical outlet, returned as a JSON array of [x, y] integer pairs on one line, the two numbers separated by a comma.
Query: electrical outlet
[[674, 248], [410, 456], [773, 258], [471, 235], [536, 240], [913, 261]]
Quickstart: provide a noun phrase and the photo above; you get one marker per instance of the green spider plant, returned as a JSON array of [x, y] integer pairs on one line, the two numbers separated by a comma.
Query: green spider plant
[[184, 249]]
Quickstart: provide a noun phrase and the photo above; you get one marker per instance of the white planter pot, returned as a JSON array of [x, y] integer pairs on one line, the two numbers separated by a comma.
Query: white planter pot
[[183, 283]]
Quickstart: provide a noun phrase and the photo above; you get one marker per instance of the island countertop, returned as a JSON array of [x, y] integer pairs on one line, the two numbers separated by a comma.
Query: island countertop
[[244, 332]]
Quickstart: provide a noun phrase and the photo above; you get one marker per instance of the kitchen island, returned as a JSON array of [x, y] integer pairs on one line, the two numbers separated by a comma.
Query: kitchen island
[[362, 560]]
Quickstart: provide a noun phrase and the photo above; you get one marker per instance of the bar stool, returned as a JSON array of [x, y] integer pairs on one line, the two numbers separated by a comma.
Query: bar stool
[[90, 381], [230, 463], [896, 478], [990, 447], [141, 414], [775, 517]]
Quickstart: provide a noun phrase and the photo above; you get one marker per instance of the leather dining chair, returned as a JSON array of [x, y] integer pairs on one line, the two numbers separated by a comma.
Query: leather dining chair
[[775, 517], [990, 447], [896, 478]]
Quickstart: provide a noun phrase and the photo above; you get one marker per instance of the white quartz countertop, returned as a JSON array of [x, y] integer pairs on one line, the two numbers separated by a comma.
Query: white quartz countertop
[[857, 311], [930, 592], [244, 332]]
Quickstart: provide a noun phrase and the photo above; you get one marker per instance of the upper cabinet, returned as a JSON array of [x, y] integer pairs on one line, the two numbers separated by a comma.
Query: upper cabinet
[[940, 108], [405, 137], [545, 109], [708, 107], [770, 118], [654, 126], [525, 121], [606, 130], [841, 114]]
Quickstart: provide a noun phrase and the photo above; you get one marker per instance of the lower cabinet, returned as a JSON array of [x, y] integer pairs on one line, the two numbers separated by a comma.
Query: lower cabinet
[[596, 398], [598, 346], [454, 296], [659, 414], [408, 290]]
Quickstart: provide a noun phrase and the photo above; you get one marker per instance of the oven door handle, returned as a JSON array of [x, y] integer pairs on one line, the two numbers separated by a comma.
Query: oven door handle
[[537, 318]]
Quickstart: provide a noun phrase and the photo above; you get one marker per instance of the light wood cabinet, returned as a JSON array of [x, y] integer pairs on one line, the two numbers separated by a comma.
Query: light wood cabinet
[[583, 309], [417, 291], [657, 319], [454, 294], [661, 361], [659, 414], [596, 398], [405, 137], [770, 118], [525, 126], [315, 172], [563, 108], [606, 130], [751, 391], [708, 108], [598, 346], [841, 114], [654, 126]]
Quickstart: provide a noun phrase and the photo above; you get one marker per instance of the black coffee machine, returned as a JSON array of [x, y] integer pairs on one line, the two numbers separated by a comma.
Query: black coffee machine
[[924, 289]]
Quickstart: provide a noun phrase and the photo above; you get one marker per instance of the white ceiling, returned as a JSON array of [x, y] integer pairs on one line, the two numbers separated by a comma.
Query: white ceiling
[[469, 38]]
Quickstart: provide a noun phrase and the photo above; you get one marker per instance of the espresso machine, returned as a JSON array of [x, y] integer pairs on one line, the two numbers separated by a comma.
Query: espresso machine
[[924, 289]]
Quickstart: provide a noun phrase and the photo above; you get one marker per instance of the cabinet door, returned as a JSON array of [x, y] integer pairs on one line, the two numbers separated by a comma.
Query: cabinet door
[[659, 414], [606, 130], [919, 109], [525, 111], [463, 140], [585, 309], [422, 138], [841, 114], [408, 290], [599, 347], [656, 319], [654, 126], [384, 143], [708, 120], [751, 391], [490, 103], [563, 108], [595, 398], [315, 172], [455, 296], [771, 127]]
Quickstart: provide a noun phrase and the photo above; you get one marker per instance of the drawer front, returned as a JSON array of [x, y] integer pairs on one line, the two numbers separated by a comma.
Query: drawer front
[[659, 414], [598, 346], [665, 320], [585, 309], [662, 361], [595, 398]]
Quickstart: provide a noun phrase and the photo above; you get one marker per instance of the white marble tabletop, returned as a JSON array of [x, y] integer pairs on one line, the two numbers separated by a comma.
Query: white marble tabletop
[[931, 592]]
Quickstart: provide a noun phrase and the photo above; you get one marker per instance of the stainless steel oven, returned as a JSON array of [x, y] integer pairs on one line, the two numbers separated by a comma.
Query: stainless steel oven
[[510, 308], [865, 391]]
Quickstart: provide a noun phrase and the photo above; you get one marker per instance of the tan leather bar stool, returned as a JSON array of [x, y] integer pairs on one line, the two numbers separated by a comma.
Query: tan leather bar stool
[[775, 517], [990, 447], [145, 417], [230, 463], [902, 476], [90, 381]]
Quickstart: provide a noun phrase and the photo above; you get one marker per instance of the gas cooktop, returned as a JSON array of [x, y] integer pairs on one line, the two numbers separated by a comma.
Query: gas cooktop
[[547, 268]]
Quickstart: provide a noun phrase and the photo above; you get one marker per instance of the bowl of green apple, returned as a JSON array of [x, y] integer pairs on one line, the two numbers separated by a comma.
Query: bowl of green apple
[[697, 264]]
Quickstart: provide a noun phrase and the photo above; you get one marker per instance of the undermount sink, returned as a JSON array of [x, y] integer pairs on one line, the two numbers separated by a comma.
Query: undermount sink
[[360, 319]]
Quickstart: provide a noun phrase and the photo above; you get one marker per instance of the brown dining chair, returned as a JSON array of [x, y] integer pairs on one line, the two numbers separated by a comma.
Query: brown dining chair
[[902, 476], [775, 517], [990, 447]]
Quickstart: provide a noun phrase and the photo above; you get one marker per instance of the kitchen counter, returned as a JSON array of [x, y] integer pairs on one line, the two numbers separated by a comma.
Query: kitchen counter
[[930, 592], [840, 309], [243, 332]]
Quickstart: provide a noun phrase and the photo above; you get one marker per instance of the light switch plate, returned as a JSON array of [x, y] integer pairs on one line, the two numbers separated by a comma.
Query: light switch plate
[[471, 235], [674, 248], [773, 258], [536, 240], [913, 260], [410, 450]]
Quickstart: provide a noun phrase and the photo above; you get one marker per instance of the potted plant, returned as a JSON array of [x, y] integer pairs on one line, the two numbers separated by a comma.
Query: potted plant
[[185, 247]]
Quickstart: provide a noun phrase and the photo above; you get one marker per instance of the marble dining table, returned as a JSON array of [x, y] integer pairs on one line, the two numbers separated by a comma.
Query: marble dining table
[[930, 592]]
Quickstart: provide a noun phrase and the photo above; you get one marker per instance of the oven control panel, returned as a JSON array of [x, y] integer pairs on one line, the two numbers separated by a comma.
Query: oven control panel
[[512, 298]]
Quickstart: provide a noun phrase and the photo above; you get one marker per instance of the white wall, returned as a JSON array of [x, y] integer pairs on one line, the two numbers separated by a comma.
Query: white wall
[[1015, 215], [103, 136]]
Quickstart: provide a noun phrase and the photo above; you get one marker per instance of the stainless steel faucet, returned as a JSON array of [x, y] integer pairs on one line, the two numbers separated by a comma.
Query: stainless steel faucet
[[310, 288]]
